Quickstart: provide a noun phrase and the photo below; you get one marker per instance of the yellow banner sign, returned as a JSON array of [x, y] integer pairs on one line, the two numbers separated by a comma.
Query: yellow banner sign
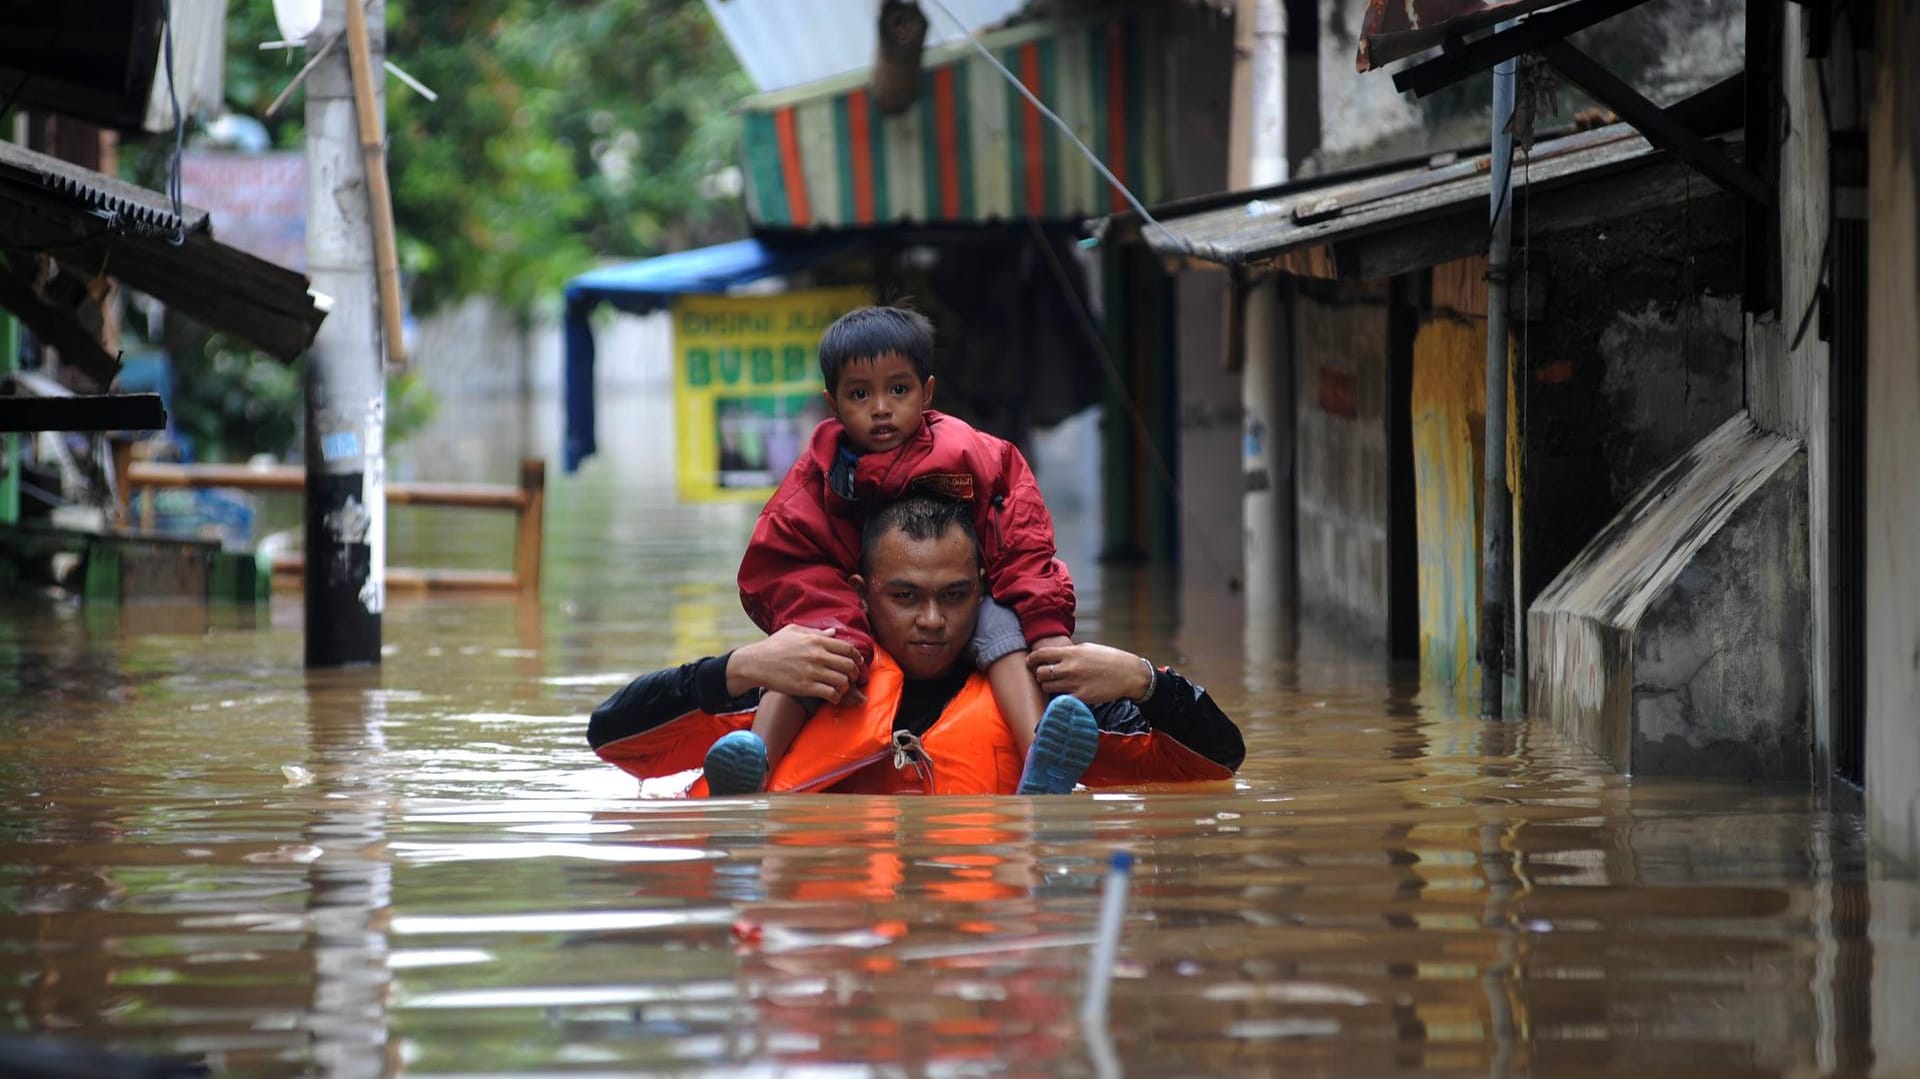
[[746, 387]]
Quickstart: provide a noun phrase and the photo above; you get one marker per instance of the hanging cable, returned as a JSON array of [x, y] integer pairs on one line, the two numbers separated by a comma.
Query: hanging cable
[[1014, 81], [179, 130], [1194, 533]]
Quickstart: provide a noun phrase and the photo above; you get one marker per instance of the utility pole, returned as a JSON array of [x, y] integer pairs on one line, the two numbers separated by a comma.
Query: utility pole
[[346, 386], [1495, 579], [1266, 380]]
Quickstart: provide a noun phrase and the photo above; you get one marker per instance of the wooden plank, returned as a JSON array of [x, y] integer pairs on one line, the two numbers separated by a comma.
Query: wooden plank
[[1460, 286], [89, 412], [294, 478], [1480, 55], [57, 328], [530, 526], [1653, 122], [1462, 232], [477, 496], [246, 477], [1315, 261], [405, 579]]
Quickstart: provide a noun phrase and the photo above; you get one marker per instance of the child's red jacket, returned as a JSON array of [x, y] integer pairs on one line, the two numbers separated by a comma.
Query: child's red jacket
[[807, 541]]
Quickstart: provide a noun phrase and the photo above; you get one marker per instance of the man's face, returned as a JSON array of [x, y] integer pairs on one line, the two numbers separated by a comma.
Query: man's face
[[880, 401], [922, 599]]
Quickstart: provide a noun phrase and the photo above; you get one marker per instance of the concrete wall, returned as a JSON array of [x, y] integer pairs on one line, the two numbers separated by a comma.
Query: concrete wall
[[1635, 355], [478, 352], [1893, 436], [1787, 381], [1720, 661], [1211, 485], [1362, 118], [1631, 354], [479, 348], [1341, 452], [1677, 641]]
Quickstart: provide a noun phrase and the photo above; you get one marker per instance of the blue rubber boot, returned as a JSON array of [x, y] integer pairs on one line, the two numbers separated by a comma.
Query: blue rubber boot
[[1063, 746], [737, 764]]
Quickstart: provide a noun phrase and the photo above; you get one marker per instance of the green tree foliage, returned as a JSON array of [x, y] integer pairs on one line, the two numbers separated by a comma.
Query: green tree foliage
[[566, 130]]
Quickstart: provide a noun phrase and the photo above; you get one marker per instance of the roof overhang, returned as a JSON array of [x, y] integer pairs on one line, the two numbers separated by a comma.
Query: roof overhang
[[92, 59], [94, 224], [653, 284], [648, 285], [1395, 29], [1384, 223]]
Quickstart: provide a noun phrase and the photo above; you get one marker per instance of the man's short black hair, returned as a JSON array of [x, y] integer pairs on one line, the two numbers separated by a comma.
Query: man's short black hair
[[868, 333], [920, 517]]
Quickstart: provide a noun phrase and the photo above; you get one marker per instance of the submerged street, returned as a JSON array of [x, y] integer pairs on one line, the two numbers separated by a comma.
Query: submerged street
[[423, 869]]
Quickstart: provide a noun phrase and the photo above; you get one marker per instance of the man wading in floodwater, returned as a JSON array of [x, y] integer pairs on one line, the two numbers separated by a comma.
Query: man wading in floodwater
[[928, 723]]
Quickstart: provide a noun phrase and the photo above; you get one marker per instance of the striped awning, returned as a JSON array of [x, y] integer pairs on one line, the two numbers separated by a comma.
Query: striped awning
[[972, 149]]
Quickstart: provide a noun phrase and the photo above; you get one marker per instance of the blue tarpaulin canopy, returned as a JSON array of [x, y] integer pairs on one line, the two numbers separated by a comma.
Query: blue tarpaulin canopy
[[650, 284]]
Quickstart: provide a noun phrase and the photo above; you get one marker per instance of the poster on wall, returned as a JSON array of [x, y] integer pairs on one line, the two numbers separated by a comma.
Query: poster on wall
[[746, 387]]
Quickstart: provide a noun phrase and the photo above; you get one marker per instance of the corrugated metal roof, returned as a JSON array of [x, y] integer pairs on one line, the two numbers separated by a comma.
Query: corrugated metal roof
[[1337, 226], [97, 224], [787, 43]]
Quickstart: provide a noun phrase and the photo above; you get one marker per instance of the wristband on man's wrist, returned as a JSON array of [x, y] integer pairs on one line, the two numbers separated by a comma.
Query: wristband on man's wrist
[[1153, 678]]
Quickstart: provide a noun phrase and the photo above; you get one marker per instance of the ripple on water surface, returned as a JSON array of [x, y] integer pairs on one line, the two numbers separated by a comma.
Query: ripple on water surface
[[423, 869]]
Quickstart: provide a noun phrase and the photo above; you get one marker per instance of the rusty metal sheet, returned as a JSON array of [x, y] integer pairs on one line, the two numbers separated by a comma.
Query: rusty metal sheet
[[1260, 231], [1394, 29]]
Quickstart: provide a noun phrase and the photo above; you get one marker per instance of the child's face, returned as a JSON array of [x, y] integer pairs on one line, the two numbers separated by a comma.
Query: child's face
[[879, 401]]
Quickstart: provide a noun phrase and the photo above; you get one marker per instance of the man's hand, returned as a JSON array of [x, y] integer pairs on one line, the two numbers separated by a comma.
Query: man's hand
[[1094, 673], [797, 661]]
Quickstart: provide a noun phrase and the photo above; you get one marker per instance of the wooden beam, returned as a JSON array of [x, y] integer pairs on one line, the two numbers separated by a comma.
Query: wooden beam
[[1462, 60], [495, 496], [529, 525], [896, 61], [104, 412], [58, 328], [404, 579], [1653, 122], [1760, 273]]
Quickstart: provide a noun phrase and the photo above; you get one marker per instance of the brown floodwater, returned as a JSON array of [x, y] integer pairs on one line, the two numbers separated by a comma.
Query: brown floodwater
[[207, 851]]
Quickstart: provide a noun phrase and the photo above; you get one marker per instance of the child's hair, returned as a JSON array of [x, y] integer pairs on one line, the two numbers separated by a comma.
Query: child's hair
[[868, 333]]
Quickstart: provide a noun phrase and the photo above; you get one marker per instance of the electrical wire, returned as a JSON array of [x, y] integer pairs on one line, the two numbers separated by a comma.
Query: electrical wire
[[179, 236], [1195, 535], [1014, 81]]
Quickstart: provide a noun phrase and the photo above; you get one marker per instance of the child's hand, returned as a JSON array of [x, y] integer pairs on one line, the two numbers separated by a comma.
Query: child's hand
[[1095, 673], [797, 661]]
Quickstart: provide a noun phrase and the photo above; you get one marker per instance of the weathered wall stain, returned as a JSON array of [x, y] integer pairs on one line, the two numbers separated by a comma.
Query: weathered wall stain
[[1342, 459], [1449, 404]]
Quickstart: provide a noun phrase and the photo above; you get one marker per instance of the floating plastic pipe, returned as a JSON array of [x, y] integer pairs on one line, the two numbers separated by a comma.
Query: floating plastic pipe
[[1106, 942]]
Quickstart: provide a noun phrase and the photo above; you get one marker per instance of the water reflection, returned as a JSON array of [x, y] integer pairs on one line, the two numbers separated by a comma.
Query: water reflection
[[350, 879], [423, 870]]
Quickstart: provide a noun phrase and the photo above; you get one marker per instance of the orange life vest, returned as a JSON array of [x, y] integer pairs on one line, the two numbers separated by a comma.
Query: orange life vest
[[852, 748]]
